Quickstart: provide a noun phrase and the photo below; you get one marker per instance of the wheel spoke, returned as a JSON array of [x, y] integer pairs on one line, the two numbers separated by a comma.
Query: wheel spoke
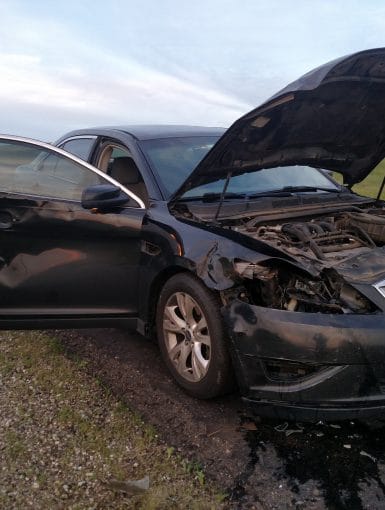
[[185, 352], [171, 326], [202, 326], [172, 322], [189, 309], [199, 364], [179, 354], [181, 301], [174, 352]]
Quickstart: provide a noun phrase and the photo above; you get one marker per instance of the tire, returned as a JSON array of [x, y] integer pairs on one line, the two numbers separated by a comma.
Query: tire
[[192, 338]]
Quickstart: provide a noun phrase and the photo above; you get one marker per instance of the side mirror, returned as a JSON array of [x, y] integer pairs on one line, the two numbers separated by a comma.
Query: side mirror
[[103, 197]]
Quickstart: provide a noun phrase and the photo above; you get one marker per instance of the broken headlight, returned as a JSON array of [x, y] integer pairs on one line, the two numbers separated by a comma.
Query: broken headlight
[[282, 288]]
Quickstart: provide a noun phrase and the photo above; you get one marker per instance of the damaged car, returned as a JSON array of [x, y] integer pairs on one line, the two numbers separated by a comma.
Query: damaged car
[[235, 247]]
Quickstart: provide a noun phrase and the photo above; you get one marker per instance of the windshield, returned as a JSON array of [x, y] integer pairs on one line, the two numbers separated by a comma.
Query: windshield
[[173, 159], [269, 179]]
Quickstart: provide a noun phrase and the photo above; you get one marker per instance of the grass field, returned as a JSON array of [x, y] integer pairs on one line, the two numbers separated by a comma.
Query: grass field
[[369, 187]]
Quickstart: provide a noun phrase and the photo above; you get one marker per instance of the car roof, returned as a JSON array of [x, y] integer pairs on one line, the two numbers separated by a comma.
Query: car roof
[[150, 132]]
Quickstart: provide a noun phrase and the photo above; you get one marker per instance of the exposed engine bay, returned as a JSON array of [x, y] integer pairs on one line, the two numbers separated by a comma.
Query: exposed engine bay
[[329, 239], [325, 242]]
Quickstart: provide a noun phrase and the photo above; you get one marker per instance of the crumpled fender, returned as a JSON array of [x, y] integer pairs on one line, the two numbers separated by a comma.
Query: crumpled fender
[[216, 266]]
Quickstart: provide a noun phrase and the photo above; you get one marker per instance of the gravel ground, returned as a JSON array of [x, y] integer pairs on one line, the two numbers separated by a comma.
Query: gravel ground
[[262, 464], [67, 442]]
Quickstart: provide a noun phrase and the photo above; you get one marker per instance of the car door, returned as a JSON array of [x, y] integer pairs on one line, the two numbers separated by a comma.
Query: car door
[[59, 260]]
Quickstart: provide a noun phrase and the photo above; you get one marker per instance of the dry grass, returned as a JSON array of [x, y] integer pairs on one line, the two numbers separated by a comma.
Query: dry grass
[[370, 186]]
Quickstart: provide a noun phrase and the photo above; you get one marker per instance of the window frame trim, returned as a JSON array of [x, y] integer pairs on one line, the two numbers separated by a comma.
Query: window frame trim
[[81, 162], [76, 137]]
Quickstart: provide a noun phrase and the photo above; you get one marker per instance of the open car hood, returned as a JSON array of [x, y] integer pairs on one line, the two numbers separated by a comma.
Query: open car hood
[[332, 117]]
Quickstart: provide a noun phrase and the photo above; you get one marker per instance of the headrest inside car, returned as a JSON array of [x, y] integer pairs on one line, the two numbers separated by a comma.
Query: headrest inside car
[[125, 171]]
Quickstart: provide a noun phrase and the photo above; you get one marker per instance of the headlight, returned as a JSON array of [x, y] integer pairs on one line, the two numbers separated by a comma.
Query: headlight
[[285, 289]]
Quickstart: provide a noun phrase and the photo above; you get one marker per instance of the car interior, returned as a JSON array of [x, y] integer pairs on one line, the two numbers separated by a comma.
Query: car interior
[[118, 164]]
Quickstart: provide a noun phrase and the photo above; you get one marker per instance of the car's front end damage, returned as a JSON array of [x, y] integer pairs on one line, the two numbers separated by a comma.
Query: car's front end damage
[[309, 366], [303, 298], [309, 342], [306, 314]]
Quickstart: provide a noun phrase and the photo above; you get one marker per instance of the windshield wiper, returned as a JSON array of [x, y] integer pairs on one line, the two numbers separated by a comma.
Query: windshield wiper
[[287, 191], [299, 189], [213, 197], [272, 193]]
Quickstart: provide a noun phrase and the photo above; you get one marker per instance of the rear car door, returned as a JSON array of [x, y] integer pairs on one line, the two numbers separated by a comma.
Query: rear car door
[[59, 260]]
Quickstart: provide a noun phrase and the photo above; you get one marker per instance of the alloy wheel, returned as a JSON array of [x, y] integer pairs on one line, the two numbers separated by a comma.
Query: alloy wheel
[[187, 336]]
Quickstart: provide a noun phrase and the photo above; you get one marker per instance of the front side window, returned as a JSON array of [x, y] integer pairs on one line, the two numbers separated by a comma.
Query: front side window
[[30, 170]]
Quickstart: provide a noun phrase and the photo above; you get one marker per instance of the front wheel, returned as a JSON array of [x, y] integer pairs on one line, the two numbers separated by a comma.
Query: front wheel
[[192, 338]]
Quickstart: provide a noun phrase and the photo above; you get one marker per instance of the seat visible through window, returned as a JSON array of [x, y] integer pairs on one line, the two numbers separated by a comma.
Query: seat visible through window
[[125, 171]]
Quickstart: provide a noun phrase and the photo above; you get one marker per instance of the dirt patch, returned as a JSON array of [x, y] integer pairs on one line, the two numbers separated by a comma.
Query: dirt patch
[[263, 464], [130, 366]]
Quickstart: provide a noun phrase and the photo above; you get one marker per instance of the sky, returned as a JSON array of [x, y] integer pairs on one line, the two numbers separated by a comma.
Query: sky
[[80, 63]]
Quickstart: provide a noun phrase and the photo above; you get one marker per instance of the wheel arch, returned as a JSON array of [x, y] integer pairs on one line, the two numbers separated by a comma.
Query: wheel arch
[[154, 291]]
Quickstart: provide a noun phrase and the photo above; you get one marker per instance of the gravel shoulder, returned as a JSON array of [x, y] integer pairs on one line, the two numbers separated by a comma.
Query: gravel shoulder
[[67, 442], [75, 428]]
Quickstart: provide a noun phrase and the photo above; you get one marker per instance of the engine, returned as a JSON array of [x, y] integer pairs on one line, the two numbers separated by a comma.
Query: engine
[[328, 239], [323, 242]]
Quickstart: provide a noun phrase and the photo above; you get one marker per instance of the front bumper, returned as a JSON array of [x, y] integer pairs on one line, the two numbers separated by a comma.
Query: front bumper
[[308, 366]]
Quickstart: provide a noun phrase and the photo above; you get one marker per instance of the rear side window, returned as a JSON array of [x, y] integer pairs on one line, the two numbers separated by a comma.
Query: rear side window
[[80, 147]]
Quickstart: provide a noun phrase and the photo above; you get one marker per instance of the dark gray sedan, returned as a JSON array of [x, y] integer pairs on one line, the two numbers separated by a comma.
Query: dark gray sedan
[[236, 248]]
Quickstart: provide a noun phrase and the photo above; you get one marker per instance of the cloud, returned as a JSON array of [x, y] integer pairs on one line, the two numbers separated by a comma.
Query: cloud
[[203, 62], [89, 85], [137, 94]]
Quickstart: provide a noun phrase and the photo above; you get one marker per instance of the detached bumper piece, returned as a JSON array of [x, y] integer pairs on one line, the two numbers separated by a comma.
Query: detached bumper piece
[[309, 366]]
